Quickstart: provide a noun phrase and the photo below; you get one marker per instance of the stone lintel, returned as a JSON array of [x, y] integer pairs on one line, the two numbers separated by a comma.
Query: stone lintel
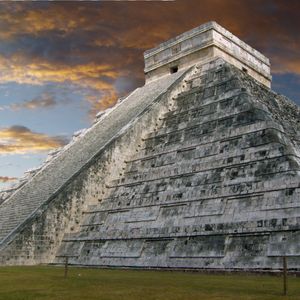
[[202, 44]]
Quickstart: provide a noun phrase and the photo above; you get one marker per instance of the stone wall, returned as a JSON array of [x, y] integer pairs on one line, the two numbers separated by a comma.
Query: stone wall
[[203, 43], [97, 156], [204, 175], [215, 185]]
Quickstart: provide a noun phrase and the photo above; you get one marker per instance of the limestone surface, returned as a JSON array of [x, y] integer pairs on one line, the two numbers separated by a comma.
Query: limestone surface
[[22, 204], [201, 44], [198, 169], [215, 186]]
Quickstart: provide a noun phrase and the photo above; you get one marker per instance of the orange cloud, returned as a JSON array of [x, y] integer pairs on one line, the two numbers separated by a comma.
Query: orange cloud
[[21, 140], [282, 66], [103, 102], [4, 179], [107, 39], [20, 18], [18, 68], [91, 76]]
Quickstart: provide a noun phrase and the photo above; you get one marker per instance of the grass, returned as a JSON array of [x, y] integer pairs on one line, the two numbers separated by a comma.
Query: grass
[[24, 283]]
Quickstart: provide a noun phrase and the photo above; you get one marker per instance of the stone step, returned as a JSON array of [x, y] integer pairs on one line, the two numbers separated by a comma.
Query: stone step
[[208, 124], [204, 190], [279, 162], [235, 133], [38, 190]]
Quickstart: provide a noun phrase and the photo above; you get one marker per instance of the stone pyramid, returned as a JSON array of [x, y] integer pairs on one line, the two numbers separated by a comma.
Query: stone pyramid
[[198, 169]]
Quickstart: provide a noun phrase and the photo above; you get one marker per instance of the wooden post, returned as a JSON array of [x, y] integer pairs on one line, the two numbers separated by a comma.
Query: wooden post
[[66, 267], [284, 269]]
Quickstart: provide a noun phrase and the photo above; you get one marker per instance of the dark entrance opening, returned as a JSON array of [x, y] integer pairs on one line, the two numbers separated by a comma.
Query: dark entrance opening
[[245, 70], [173, 69]]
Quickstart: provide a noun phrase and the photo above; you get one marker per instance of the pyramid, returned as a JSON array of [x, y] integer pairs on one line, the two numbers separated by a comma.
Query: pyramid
[[197, 169]]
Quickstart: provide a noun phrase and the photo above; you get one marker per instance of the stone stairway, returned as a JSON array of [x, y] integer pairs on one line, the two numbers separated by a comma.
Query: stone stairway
[[198, 169], [34, 196], [203, 190]]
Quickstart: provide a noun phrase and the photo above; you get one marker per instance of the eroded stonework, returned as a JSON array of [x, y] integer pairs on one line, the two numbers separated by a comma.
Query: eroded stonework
[[202, 44], [215, 185], [204, 174]]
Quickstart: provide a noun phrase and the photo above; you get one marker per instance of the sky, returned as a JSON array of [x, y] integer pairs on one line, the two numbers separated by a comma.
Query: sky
[[62, 62]]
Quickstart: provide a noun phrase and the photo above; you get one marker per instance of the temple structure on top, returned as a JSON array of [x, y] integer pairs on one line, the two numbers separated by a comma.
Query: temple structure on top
[[197, 169], [202, 44]]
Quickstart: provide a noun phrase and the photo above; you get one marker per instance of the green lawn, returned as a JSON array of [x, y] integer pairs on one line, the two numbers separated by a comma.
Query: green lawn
[[47, 283]]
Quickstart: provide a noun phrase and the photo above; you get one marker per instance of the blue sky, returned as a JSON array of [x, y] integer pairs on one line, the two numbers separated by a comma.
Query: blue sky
[[62, 62]]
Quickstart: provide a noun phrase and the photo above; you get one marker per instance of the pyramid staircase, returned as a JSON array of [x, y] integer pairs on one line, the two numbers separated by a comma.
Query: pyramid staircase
[[33, 219], [216, 185], [197, 169]]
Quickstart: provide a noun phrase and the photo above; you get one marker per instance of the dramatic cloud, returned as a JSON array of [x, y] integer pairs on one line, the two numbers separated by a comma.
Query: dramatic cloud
[[90, 76], [101, 103], [96, 49], [20, 140], [90, 45], [18, 68], [5, 179], [26, 18]]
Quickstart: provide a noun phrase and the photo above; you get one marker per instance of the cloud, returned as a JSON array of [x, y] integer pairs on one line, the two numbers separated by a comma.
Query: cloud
[[25, 18], [46, 100], [5, 179], [21, 69], [102, 102], [90, 77], [20, 140], [91, 45]]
